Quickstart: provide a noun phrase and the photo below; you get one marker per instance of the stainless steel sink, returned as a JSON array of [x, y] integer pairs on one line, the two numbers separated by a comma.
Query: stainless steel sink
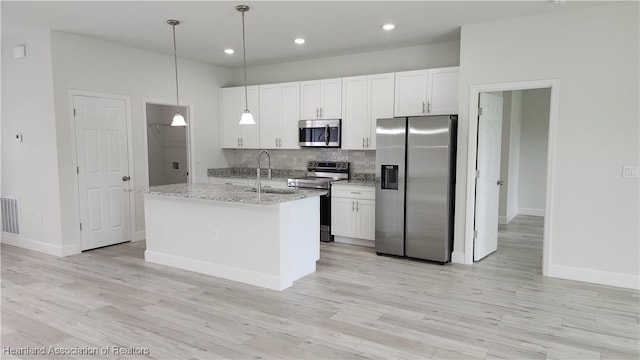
[[274, 191]]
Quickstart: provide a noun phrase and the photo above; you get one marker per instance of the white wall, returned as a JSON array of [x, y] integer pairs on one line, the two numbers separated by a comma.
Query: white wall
[[532, 178], [400, 59], [81, 63], [594, 54], [510, 156], [29, 169]]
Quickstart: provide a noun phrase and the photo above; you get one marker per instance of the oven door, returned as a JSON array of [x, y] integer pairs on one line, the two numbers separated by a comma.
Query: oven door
[[319, 133]]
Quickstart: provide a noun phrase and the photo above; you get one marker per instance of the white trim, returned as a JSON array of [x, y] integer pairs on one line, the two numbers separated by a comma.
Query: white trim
[[132, 204], [39, 246], [354, 241], [474, 92], [457, 257], [225, 272], [532, 212], [595, 276], [140, 235]]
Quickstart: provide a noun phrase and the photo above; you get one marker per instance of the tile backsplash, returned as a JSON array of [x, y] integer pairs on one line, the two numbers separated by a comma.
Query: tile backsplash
[[361, 161]]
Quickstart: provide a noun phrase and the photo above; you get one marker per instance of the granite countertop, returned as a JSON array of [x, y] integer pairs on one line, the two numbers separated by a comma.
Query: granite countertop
[[357, 182], [228, 193]]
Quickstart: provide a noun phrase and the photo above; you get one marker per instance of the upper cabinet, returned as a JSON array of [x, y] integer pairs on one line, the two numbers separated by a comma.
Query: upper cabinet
[[233, 135], [279, 115], [364, 100], [321, 99], [426, 92]]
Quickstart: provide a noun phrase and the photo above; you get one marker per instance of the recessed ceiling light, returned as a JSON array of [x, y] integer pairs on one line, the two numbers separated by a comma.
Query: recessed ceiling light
[[228, 51], [299, 41], [388, 27], [559, 1]]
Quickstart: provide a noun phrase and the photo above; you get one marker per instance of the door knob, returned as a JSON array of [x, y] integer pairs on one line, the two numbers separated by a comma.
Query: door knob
[[125, 178], [500, 182]]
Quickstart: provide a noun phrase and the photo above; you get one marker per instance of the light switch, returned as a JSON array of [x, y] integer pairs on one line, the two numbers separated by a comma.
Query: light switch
[[629, 171], [19, 138]]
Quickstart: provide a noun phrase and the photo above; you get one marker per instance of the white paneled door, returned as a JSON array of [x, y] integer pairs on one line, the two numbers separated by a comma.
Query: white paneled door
[[103, 170], [488, 177]]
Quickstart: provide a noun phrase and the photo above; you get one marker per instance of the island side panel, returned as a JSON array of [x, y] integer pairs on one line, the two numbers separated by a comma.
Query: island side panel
[[300, 236], [238, 242]]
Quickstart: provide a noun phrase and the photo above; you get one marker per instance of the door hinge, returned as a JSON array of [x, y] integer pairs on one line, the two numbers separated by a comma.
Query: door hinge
[[80, 226], [78, 170], [479, 111], [475, 234], [74, 112]]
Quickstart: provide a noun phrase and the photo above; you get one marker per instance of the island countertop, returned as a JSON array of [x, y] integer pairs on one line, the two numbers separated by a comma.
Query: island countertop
[[229, 193]]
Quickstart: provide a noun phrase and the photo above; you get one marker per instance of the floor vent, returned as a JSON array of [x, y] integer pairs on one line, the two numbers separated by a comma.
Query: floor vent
[[10, 215]]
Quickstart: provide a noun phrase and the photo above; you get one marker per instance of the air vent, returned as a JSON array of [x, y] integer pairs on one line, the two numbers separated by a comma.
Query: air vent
[[10, 215]]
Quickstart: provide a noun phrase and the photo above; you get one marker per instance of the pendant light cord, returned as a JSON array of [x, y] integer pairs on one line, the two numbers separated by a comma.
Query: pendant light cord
[[244, 58], [175, 60]]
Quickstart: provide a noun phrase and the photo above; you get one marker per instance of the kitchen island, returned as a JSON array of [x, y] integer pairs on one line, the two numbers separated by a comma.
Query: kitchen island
[[228, 232]]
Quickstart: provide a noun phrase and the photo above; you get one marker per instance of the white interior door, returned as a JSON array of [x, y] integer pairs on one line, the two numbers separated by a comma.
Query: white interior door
[[488, 180], [103, 171]]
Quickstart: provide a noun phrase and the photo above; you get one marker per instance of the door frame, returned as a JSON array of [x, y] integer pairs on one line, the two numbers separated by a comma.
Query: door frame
[[190, 135], [474, 93], [74, 153]]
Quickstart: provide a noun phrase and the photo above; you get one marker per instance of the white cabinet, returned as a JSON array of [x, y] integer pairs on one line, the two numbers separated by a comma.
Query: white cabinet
[[426, 92], [364, 100], [233, 135], [321, 99], [279, 115], [353, 214]]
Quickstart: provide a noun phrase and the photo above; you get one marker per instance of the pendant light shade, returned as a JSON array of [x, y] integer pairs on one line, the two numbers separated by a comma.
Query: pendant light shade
[[178, 119], [247, 117]]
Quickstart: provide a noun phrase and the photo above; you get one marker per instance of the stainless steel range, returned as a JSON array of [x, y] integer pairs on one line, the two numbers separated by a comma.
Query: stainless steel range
[[320, 175]]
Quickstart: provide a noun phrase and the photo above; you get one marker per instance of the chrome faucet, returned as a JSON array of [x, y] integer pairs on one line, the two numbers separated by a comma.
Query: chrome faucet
[[258, 185]]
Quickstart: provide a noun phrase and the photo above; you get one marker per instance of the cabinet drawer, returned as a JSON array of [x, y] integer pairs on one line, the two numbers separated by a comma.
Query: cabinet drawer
[[353, 192]]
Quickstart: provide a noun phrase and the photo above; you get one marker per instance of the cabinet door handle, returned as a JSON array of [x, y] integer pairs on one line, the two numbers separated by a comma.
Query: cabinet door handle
[[279, 142], [367, 142], [321, 112], [423, 107], [241, 142], [357, 206], [353, 205], [428, 106], [317, 112], [362, 142], [276, 142]]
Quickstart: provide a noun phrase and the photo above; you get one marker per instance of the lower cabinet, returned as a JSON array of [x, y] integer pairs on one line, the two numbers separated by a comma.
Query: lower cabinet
[[353, 214]]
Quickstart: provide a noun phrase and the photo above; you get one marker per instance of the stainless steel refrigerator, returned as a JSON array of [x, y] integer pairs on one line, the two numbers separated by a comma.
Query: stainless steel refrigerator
[[415, 186]]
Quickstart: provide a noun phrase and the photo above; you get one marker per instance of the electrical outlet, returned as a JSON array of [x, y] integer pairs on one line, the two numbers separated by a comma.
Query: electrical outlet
[[629, 171]]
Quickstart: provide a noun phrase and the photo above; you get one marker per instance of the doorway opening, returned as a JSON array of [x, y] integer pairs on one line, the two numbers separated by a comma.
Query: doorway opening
[[513, 130], [522, 184], [167, 146]]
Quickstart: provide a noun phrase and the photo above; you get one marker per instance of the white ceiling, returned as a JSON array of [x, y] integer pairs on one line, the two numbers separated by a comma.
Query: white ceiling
[[208, 27]]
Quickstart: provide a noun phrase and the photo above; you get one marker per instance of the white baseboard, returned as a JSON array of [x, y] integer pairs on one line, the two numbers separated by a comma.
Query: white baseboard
[[39, 246], [226, 272], [140, 235], [595, 276], [532, 212], [504, 220], [354, 241], [457, 257]]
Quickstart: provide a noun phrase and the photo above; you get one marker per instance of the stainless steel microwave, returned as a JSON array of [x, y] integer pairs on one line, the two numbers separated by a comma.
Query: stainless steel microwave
[[319, 133]]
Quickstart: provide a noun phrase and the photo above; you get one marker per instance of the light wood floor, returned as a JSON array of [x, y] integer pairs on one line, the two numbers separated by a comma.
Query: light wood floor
[[357, 305]]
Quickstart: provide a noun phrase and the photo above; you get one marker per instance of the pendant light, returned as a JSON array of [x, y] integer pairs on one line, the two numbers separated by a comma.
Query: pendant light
[[247, 117], [178, 119]]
